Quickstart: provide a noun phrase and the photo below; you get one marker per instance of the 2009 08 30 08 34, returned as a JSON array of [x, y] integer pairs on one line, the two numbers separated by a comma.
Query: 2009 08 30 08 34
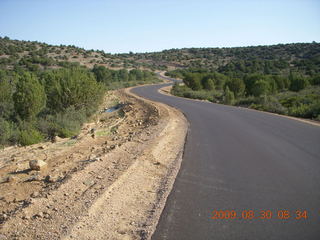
[[260, 214]]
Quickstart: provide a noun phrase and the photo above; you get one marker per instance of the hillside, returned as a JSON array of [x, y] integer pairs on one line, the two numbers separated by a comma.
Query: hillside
[[283, 78], [48, 91], [35, 55], [296, 55], [273, 58]]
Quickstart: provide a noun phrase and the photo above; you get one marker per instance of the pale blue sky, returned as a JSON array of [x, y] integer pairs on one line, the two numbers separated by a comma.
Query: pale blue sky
[[151, 25]]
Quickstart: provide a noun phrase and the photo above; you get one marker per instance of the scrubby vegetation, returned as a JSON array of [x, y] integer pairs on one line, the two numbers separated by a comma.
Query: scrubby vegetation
[[50, 90], [42, 97], [114, 79], [268, 59], [282, 78], [38, 106], [294, 94]]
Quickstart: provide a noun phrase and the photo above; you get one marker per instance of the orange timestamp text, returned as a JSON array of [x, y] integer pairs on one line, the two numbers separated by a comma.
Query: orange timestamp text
[[260, 214]]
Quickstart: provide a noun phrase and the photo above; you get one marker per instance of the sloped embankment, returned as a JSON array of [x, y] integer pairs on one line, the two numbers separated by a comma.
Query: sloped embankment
[[121, 189]]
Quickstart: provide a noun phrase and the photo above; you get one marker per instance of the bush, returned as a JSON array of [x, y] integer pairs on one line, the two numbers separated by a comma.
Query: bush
[[69, 122], [184, 91], [5, 132], [30, 136], [72, 87], [298, 83], [236, 86], [260, 87], [306, 110], [246, 102], [228, 97], [272, 104], [64, 124]]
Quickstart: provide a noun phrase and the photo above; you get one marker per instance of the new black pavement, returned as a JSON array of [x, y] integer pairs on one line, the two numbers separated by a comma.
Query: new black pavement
[[240, 159]]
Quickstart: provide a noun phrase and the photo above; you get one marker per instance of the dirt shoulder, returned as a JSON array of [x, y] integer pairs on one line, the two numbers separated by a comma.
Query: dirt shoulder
[[131, 207], [112, 185]]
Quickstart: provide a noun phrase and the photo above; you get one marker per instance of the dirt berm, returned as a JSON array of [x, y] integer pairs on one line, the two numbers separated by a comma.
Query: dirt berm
[[120, 192]]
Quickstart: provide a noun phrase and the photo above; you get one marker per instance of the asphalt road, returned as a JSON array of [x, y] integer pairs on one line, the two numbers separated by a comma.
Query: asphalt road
[[239, 159]]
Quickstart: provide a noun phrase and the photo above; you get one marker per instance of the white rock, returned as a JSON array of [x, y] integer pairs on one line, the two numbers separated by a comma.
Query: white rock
[[37, 164]]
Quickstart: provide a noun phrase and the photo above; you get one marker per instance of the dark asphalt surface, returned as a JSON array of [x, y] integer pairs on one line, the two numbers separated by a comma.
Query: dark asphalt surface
[[239, 159]]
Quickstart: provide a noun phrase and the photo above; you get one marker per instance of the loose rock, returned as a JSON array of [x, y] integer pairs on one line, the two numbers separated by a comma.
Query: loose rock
[[37, 164]]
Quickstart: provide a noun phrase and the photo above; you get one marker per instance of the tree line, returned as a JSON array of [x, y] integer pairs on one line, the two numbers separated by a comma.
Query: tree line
[[294, 94]]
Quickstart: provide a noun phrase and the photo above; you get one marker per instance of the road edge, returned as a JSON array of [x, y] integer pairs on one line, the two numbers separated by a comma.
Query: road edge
[[307, 121], [167, 182]]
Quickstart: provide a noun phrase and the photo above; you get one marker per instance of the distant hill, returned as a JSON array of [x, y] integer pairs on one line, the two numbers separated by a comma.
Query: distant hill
[[272, 59], [33, 55], [302, 56]]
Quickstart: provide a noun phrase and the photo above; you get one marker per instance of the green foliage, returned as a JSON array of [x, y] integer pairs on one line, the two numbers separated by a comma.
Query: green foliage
[[68, 123], [102, 74], [305, 103], [275, 60], [75, 87], [228, 97], [208, 84], [269, 104], [298, 83], [263, 92], [63, 124], [315, 80], [193, 81], [237, 86], [306, 111], [260, 87], [114, 79], [6, 91], [30, 136], [29, 97], [56, 102], [184, 91], [5, 131]]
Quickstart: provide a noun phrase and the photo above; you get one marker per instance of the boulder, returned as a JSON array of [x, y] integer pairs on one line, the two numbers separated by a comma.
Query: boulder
[[37, 164]]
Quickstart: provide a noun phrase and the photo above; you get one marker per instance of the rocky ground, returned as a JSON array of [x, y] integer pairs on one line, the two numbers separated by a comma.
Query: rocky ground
[[109, 182]]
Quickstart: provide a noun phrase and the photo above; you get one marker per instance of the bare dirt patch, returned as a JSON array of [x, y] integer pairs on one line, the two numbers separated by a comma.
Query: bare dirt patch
[[110, 182]]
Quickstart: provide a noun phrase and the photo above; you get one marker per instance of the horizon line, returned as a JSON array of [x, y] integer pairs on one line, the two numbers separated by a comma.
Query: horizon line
[[158, 51]]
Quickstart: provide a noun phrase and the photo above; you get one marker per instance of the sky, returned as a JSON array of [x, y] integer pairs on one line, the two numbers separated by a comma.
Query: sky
[[118, 26]]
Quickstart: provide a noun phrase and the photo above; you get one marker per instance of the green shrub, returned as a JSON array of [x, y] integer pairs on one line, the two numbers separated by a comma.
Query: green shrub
[[272, 104], [260, 87], [30, 136], [228, 97], [247, 101], [298, 83], [69, 123], [306, 110], [64, 124], [72, 87], [5, 132]]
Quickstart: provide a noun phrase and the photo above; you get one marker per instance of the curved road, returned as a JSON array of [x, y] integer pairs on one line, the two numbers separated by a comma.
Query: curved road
[[239, 159]]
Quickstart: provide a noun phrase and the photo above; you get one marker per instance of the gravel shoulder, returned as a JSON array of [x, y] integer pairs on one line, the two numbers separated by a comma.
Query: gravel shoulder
[[109, 186]]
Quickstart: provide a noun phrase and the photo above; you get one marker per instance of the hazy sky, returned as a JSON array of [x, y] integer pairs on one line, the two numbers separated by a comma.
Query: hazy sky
[[152, 25]]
